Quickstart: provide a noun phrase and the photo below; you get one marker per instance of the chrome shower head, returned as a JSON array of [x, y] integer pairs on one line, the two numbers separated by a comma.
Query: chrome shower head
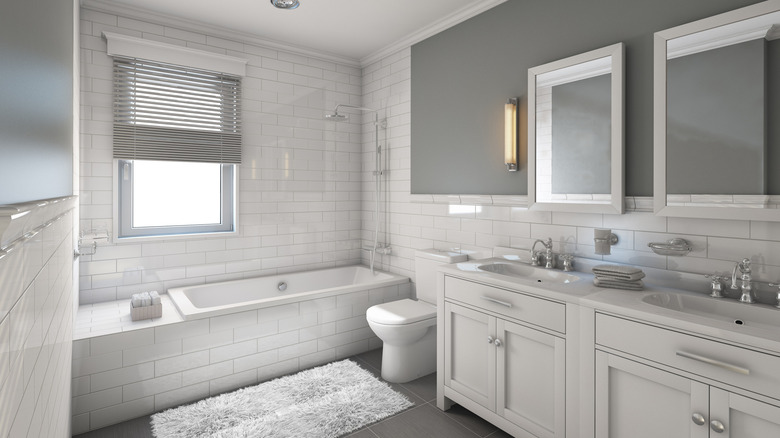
[[336, 117], [285, 4]]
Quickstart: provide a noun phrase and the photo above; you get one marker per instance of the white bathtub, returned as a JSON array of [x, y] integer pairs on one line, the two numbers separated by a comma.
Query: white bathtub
[[203, 301]]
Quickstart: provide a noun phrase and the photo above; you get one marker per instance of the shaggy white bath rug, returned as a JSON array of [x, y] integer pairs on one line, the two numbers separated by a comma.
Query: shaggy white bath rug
[[327, 401]]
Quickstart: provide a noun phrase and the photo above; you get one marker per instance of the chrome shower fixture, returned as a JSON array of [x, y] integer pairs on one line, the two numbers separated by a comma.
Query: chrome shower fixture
[[285, 4]]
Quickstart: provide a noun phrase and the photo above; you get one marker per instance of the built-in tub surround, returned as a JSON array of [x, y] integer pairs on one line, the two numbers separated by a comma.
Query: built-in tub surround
[[221, 298], [143, 368]]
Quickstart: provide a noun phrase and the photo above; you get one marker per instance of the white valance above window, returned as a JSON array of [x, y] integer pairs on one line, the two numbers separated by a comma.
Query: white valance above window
[[132, 47]]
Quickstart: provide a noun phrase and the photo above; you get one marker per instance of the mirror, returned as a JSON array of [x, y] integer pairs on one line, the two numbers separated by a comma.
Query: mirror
[[716, 96], [575, 133]]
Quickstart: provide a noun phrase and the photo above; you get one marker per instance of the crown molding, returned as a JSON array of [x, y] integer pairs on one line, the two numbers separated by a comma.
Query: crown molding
[[445, 23], [217, 31]]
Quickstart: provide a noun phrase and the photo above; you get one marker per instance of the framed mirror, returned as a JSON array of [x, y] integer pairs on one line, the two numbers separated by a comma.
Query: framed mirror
[[575, 133], [716, 116]]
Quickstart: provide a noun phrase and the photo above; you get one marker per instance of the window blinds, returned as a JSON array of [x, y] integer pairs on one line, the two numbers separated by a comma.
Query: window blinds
[[174, 113]]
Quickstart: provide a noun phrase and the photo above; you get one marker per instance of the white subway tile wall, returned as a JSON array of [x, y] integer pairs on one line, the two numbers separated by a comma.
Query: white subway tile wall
[[410, 222], [125, 375], [36, 322], [299, 190]]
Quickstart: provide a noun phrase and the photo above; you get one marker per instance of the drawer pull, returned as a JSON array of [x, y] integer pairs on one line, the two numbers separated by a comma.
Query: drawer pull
[[493, 300], [717, 426], [717, 363], [698, 418]]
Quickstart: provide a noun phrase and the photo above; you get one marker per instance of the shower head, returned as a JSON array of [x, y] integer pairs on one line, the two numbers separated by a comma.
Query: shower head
[[336, 117]]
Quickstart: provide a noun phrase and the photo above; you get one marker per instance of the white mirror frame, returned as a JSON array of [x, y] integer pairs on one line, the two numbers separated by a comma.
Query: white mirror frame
[[659, 112], [616, 203]]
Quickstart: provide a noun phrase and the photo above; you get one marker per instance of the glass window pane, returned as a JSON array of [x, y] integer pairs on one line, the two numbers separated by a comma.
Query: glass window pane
[[167, 193]]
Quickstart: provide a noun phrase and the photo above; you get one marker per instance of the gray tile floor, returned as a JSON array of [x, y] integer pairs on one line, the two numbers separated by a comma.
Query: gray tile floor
[[424, 420]]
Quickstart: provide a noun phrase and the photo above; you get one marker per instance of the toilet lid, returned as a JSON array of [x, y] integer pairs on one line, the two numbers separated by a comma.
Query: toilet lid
[[401, 312]]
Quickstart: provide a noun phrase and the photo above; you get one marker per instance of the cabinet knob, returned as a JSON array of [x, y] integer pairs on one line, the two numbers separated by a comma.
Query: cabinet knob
[[490, 339], [698, 418], [498, 342], [717, 426]]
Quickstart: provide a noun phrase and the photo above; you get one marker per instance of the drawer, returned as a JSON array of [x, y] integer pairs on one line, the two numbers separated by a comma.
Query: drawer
[[537, 311], [742, 367]]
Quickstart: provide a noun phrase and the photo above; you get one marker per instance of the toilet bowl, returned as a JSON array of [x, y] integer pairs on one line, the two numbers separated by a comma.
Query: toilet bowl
[[407, 327]]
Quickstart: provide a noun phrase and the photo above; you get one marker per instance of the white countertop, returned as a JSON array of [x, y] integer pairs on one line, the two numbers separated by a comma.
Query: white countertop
[[630, 304]]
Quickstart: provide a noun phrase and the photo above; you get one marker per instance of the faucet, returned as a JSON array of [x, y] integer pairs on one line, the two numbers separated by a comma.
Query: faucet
[[747, 288], [549, 258]]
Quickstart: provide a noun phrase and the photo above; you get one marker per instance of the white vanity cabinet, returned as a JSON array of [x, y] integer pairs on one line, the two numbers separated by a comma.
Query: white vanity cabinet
[[504, 357], [657, 382]]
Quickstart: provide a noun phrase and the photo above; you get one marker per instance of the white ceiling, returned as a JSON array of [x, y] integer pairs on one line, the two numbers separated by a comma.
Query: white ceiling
[[353, 29]]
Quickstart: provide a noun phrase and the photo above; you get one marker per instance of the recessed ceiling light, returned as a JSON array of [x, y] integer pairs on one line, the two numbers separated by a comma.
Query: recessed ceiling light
[[285, 4]]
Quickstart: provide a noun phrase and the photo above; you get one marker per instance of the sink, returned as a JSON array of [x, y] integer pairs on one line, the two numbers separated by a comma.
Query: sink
[[734, 312], [527, 272]]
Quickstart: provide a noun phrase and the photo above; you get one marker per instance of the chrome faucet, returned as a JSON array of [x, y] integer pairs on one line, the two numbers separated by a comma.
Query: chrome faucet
[[549, 257], [746, 287]]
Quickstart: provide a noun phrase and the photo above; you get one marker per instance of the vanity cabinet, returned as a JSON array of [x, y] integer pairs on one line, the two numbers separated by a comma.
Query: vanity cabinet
[[653, 382], [505, 357]]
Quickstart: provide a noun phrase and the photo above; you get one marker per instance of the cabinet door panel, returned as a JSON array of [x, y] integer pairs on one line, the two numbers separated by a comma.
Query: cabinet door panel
[[530, 379], [638, 401], [743, 417], [470, 361]]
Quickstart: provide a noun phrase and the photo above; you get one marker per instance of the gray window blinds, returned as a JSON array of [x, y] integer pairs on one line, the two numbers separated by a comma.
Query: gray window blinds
[[174, 113]]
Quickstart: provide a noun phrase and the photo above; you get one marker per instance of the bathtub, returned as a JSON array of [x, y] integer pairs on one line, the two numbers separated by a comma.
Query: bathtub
[[207, 300]]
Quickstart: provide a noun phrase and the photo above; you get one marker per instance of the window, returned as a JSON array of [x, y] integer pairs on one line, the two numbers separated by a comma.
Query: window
[[177, 141]]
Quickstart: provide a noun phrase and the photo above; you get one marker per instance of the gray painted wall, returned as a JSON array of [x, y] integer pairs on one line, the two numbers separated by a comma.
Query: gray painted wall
[[462, 77], [581, 136], [715, 140], [36, 100]]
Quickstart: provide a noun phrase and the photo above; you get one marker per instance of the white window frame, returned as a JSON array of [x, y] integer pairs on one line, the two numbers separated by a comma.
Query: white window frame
[[123, 208]]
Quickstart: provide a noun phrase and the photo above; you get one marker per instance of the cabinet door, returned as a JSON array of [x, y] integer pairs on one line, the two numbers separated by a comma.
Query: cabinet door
[[469, 360], [742, 417], [638, 401], [530, 379]]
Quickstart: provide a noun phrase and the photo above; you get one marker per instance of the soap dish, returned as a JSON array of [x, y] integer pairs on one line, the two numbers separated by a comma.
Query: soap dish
[[674, 247]]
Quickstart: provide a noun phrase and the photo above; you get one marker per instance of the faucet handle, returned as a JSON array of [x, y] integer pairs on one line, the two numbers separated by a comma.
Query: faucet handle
[[717, 285], [777, 285]]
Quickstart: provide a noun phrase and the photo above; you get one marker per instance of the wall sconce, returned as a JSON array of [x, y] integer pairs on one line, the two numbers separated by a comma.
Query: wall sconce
[[510, 135], [604, 239]]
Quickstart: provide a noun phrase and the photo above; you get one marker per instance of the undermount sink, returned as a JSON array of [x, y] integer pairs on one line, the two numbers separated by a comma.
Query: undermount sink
[[532, 273], [732, 311]]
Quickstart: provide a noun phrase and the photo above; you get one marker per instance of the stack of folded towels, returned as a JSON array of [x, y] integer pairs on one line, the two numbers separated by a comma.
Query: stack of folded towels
[[145, 299], [618, 277]]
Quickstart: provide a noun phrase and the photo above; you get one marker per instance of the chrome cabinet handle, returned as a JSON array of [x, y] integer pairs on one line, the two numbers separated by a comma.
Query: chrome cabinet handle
[[490, 339], [493, 300], [698, 418], [717, 426], [498, 342], [714, 362]]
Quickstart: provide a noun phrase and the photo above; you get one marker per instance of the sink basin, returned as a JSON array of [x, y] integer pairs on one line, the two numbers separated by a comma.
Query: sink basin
[[532, 273], [734, 312]]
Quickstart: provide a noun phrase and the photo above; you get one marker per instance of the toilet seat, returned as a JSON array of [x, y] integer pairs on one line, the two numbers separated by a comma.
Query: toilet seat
[[401, 312]]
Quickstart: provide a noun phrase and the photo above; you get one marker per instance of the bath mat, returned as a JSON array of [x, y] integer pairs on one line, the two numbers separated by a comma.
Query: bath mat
[[327, 401]]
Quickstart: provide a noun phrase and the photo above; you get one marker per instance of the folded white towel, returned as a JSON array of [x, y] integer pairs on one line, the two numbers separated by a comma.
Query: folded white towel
[[618, 284], [136, 301], [146, 299], [155, 297], [617, 272]]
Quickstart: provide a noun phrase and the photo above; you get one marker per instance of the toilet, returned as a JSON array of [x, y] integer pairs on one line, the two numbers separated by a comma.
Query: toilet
[[407, 327]]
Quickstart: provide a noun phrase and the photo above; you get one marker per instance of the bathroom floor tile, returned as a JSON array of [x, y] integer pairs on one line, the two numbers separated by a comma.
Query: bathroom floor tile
[[424, 420]]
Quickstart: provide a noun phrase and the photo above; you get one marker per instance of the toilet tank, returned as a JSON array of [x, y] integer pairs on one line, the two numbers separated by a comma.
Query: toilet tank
[[425, 263]]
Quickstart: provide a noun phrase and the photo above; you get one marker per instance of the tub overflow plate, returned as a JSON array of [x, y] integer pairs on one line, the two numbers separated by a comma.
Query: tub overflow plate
[[282, 286]]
